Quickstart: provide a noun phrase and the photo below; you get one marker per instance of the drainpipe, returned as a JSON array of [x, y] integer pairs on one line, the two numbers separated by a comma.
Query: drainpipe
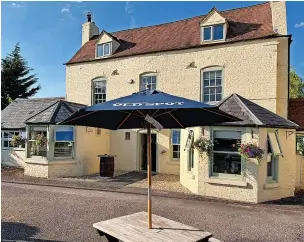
[[288, 95]]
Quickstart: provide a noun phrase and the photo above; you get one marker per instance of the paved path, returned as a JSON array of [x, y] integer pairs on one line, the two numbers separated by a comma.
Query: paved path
[[39, 213]]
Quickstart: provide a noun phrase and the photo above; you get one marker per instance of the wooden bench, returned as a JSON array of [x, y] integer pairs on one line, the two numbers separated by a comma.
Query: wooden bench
[[134, 228]]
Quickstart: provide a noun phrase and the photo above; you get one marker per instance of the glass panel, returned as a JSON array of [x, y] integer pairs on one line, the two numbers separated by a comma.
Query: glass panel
[[218, 97], [6, 143], [212, 98], [206, 75], [227, 141], [107, 49], [64, 134], [5, 135], [212, 82], [63, 149], [218, 82], [269, 168], [218, 32], [227, 163], [206, 90], [218, 74], [36, 150], [206, 82], [212, 90], [206, 98], [207, 33], [100, 50], [219, 90], [175, 137]]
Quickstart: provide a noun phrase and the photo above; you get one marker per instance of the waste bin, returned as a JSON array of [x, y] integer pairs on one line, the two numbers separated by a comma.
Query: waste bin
[[106, 166]]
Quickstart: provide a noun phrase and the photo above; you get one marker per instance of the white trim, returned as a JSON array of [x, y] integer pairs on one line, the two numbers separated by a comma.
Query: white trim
[[98, 79], [212, 33], [211, 69], [103, 49], [148, 74]]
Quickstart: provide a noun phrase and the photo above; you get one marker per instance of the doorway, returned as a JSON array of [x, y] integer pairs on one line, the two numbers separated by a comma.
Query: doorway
[[144, 154]]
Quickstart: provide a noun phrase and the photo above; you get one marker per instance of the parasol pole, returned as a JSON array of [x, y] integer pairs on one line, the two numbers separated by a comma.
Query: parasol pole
[[149, 176]]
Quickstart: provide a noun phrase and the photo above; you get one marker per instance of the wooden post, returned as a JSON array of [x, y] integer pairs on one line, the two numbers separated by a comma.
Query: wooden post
[[149, 176]]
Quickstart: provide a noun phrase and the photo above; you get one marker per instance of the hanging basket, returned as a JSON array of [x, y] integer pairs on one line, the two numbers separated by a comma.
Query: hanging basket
[[203, 145], [251, 152]]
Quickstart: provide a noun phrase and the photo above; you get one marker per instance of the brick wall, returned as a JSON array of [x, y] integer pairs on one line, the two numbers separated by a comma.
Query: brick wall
[[296, 111]]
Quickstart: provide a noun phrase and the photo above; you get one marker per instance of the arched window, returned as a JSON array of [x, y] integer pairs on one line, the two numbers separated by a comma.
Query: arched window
[[146, 80], [212, 84], [99, 90]]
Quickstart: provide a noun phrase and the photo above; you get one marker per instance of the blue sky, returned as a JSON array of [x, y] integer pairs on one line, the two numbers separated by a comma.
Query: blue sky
[[49, 33]]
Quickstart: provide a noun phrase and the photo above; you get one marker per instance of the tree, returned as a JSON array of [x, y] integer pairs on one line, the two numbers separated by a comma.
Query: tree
[[16, 78], [296, 88]]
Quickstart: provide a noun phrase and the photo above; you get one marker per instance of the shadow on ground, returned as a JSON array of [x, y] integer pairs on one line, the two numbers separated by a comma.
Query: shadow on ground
[[128, 178], [11, 231]]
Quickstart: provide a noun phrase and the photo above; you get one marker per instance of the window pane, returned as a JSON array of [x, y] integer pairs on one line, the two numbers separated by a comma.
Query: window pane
[[218, 82], [218, 97], [36, 150], [106, 49], [175, 137], [176, 155], [148, 80], [206, 90], [218, 32], [207, 33], [219, 90], [227, 163], [227, 141], [64, 134], [212, 82], [212, 90], [206, 75], [212, 98], [269, 168], [206, 98], [206, 82], [100, 50], [63, 149], [218, 74], [6, 143]]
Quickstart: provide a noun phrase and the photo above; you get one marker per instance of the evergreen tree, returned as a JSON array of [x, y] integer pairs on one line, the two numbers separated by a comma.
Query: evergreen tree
[[16, 78], [296, 86]]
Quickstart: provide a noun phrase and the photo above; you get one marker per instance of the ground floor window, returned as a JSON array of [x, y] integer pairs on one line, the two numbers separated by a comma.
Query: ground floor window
[[300, 143], [37, 141], [64, 142], [190, 158], [226, 158], [175, 143], [7, 136], [274, 151]]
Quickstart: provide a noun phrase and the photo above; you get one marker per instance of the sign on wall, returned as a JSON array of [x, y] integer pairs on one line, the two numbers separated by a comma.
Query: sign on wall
[[155, 123], [189, 139]]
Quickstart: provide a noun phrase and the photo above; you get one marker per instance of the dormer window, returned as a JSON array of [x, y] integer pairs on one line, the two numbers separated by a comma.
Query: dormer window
[[214, 32], [104, 49]]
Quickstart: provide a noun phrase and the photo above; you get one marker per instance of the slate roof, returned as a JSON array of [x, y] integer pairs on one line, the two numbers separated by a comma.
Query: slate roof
[[55, 113], [252, 114], [246, 23], [296, 111], [36, 110], [15, 114]]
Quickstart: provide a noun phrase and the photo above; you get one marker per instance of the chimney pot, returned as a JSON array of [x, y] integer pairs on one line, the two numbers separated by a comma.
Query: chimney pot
[[89, 16]]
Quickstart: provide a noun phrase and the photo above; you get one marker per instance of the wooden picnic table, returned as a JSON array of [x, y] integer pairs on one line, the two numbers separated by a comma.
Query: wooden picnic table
[[134, 228]]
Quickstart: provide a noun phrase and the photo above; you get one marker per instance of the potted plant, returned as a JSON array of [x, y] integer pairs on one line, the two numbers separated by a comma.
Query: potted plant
[[251, 151], [17, 141], [203, 144]]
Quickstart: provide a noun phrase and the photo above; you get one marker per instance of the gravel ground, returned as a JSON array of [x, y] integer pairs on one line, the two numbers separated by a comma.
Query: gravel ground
[[163, 182], [36, 213]]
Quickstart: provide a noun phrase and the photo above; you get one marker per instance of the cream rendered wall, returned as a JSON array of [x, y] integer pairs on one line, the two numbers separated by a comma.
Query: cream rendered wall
[[300, 171], [213, 18], [282, 78], [89, 145], [286, 170], [13, 157], [249, 69]]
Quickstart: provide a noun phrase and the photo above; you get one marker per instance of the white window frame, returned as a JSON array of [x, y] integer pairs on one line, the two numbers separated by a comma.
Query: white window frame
[[147, 75], [103, 49], [102, 100], [31, 140], [66, 141], [224, 175], [173, 144], [13, 132], [274, 155], [209, 70], [212, 32]]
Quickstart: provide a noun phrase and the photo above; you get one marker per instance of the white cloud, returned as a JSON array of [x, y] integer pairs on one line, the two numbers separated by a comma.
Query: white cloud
[[66, 9], [299, 25], [129, 8], [16, 5]]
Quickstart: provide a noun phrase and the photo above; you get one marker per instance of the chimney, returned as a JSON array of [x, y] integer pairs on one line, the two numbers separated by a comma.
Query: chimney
[[278, 12], [89, 29]]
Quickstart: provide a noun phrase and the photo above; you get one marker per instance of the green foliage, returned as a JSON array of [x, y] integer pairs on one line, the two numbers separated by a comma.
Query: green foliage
[[17, 140], [300, 148], [296, 85], [251, 151], [203, 145], [16, 78]]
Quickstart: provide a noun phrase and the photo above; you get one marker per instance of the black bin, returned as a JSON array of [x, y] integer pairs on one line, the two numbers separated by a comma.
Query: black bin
[[106, 166]]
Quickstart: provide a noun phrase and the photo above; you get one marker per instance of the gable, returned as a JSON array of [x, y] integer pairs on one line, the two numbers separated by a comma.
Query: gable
[[213, 18], [104, 38]]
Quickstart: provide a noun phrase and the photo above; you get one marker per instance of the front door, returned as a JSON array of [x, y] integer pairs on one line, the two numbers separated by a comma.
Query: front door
[[144, 158]]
